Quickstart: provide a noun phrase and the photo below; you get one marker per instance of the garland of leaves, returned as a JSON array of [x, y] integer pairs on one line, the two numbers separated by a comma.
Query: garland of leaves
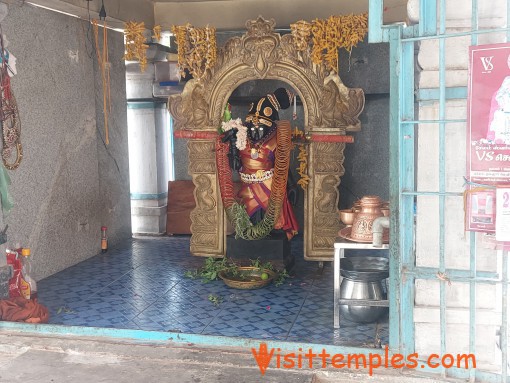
[[196, 49], [328, 35]]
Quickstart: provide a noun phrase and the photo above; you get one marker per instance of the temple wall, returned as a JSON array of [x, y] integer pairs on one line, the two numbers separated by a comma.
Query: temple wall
[[69, 183]]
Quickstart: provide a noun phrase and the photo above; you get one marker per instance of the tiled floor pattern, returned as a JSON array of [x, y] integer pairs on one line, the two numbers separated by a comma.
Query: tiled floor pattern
[[141, 285]]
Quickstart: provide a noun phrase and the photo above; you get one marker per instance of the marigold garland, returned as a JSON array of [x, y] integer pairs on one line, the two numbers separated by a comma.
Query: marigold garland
[[301, 31], [328, 35], [136, 48], [303, 167], [157, 32], [196, 49]]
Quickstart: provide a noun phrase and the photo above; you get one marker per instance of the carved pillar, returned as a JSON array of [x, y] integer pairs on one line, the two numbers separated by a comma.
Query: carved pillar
[[207, 219], [321, 199]]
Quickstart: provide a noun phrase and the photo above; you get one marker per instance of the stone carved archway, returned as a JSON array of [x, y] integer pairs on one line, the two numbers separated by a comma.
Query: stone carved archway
[[330, 111]]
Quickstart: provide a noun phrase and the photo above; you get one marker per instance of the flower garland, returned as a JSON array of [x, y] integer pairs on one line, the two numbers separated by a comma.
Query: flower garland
[[196, 49], [328, 35], [241, 134], [303, 167], [136, 49]]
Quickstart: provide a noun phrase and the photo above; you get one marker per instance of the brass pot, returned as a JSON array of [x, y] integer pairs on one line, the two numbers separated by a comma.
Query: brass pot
[[347, 216], [362, 225]]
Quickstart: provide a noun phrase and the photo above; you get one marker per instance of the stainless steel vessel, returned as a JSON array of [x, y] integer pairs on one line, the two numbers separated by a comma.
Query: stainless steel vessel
[[364, 279], [352, 289]]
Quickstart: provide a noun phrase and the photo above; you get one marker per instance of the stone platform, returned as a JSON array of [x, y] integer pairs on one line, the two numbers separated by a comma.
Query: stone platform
[[275, 248]]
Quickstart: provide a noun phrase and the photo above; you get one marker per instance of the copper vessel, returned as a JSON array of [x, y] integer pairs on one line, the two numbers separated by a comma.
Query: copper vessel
[[347, 216], [362, 225], [356, 207]]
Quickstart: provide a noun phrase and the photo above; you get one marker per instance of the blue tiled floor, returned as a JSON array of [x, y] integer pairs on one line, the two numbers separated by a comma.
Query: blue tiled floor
[[141, 285]]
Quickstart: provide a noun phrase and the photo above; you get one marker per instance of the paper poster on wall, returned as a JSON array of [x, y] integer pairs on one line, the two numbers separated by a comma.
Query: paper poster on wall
[[488, 123], [481, 210], [503, 214]]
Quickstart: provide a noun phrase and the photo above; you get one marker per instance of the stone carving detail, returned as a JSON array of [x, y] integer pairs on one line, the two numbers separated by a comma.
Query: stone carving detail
[[262, 53], [341, 106], [329, 108], [327, 196], [189, 109], [206, 217], [204, 193], [202, 157], [329, 158], [327, 167]]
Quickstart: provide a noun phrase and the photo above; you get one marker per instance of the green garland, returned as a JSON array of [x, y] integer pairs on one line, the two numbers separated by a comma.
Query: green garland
[[244, 228]]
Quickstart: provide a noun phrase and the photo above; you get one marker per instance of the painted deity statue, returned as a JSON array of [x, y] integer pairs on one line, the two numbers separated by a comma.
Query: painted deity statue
[[256, 161]]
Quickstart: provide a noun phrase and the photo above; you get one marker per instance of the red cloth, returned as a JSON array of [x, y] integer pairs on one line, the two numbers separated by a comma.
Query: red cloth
[[20, 309]]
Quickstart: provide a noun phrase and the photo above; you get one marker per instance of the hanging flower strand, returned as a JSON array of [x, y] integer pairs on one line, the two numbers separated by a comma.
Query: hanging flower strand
[[135, 43], [328, 35], [156, 32], [136, 47], [196, 49]]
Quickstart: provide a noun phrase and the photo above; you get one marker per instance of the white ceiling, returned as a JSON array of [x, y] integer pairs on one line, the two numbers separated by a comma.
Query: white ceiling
[[230, 15], [222, 14]]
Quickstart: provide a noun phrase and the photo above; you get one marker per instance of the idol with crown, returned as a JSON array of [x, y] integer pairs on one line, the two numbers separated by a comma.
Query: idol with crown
[[259, 150]]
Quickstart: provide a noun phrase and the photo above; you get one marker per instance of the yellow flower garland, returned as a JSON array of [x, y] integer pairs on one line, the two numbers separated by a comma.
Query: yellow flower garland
[[136, 49], [328, 35], [303, 167], [196, 49]]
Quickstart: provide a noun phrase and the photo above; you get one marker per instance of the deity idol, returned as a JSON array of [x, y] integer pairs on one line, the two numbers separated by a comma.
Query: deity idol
[[256, 160]]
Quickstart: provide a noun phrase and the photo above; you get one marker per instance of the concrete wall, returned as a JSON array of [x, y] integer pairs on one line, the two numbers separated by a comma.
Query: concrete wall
[[367, 159], [69, 183], [118, 11], [426, 311]]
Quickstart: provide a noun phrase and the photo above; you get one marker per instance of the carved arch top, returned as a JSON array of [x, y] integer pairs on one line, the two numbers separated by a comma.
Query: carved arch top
[[261, 53]]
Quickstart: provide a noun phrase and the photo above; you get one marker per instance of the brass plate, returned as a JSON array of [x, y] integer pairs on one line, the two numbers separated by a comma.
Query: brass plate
[[345, 233]]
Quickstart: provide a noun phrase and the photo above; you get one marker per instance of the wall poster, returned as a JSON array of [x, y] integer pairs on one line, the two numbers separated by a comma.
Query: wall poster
[[488, 132], [489, 114], [503, 214]]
